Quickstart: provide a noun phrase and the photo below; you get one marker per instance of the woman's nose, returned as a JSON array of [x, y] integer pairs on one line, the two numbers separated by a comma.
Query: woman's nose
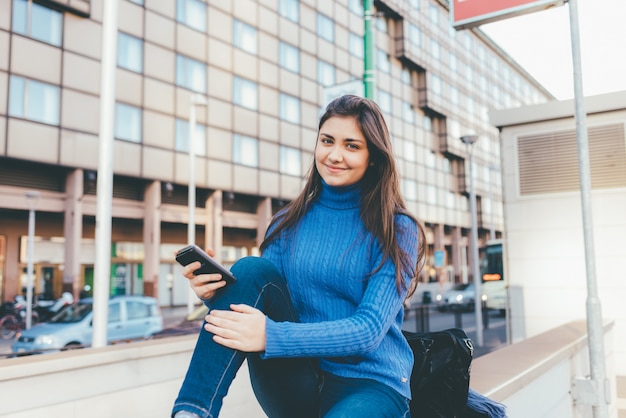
[[335, 155]]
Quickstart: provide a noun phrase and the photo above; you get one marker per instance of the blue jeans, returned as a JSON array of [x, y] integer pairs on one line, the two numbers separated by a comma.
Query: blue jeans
[[284, 387]]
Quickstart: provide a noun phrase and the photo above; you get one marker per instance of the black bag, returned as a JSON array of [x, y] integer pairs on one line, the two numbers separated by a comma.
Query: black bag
[[441, 373]]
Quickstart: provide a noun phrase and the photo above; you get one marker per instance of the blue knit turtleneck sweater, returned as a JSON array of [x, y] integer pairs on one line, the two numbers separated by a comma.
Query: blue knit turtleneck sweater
[[349, 318]]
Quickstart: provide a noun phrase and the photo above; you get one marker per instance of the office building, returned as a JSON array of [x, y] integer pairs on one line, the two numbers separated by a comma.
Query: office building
[[264, 70]]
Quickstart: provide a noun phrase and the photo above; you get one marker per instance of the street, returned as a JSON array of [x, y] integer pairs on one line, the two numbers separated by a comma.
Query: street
[[494, 333]]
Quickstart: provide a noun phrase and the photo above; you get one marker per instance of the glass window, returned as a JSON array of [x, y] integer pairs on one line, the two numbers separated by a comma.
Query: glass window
[[429, 159], [454, 95], [137, 310], [382, 61], [428, 123], [127, 122], [137, 2], [114, 313], [190, 74], [409, 189], [405, 76], [245, 150], [290, 161], [182, 137], [409, 151], [454, 62], [356, 7], [384, 101], [244, 36], [245, 93], [129, 52], [289, 57], [450, 199], [435, 49], [415, 34], [192, 13], [34, 100], [433, 12], [436, 84], [325, 28], [325, 73], [381, 23], [289, 108], [407, 112], [356, 45], [44, 25], [290, 9], [431, 195]]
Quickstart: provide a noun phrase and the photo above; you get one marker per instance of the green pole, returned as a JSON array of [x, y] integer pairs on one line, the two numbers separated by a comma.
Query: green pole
[[368, 50]]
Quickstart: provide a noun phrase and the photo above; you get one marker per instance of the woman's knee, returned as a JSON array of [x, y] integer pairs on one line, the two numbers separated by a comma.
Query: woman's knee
[[255, 266]]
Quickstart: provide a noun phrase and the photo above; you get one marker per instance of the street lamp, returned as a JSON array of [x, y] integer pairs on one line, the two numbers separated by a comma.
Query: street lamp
[[469, 141], [32, 198], [195, 100]]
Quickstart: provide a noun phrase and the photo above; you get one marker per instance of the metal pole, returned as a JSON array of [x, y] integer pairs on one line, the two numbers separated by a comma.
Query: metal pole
[[492, 226], [368, 50], [191, 198], [31, 199], [595, 327], [196, 100], [102, 265], [478, 302]]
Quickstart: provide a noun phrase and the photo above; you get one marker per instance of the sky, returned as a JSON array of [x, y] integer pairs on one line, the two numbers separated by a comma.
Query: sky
[[541, 43]]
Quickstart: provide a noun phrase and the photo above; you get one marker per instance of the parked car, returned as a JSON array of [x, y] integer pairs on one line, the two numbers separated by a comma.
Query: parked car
[[495, 295], [129, 318], [460, 297], [191, 324]]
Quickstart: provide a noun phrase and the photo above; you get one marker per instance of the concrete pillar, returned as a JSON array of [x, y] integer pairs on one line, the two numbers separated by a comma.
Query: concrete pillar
[[264, 215], [73, 233], [152, 239], [214, 230], [457, 248]]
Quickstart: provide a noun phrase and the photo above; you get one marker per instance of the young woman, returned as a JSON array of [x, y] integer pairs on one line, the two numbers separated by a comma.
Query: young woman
[[318, 316]]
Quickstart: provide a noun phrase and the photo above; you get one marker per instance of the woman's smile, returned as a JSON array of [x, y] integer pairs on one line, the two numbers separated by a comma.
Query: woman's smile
[[341, 154]]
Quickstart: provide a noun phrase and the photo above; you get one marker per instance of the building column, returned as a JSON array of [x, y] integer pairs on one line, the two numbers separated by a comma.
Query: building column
[[457, 249], [73, 233], [264, 217], [214, 229], [152, 239]]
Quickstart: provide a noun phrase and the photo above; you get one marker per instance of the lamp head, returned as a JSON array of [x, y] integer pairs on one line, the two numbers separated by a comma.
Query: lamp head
[[469, 139]]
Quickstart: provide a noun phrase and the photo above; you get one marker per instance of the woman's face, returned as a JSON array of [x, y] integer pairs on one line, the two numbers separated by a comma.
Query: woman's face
[[341, 154]]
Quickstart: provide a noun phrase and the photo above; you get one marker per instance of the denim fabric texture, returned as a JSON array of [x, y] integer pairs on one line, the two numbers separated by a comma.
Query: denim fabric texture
[[283, 387]]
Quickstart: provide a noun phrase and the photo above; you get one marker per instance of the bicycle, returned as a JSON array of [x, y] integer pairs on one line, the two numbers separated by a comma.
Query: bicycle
[[14, 319]]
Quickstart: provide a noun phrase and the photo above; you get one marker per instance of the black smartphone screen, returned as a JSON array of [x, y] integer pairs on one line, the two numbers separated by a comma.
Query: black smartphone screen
[[193, 253]]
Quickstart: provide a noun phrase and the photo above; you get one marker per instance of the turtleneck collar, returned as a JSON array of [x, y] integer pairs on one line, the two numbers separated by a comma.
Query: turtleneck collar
[[344, 197]]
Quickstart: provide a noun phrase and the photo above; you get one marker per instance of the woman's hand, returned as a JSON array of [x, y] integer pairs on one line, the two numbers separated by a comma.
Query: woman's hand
[[242, 328], [203, 285]]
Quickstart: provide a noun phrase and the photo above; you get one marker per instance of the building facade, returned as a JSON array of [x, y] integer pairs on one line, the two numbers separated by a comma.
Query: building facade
[[545, 238], [265, 69]]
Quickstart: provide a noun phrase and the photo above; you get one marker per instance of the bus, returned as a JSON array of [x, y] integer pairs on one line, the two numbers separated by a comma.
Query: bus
[[491, 267]]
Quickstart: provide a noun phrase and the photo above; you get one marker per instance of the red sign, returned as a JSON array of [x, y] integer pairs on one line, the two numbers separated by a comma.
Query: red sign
[[470, 13]]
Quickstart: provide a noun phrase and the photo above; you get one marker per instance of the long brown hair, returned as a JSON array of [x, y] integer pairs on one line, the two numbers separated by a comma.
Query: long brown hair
[[380, 190]]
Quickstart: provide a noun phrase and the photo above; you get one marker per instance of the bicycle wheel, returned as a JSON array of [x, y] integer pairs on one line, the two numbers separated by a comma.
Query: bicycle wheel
[[8, 327]]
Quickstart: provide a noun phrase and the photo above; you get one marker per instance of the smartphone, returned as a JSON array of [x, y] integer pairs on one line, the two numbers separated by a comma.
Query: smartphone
[[193, 253]]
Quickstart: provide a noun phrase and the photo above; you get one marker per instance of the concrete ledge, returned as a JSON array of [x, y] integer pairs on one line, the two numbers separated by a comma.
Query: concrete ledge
[[504, 372]]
